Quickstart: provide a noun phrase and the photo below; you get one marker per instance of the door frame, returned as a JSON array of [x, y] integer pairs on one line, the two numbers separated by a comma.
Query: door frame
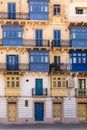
[[12, 100]]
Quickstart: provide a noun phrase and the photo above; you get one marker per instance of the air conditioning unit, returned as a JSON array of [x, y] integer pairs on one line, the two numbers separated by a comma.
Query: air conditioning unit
[[71, 82]]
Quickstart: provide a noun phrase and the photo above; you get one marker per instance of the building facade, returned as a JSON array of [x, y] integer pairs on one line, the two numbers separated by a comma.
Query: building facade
[[43, 64]]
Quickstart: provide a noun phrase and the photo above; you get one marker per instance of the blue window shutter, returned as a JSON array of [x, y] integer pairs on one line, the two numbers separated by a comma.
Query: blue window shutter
[[57, 37], [11, 10], [12, 62], [39, 37]]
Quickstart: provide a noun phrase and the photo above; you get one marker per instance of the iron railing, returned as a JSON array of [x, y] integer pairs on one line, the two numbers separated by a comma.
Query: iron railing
[[80, 92], [15, 16], [61, 68], [61, 43], [17, 67], [43, 93], [36, 43]]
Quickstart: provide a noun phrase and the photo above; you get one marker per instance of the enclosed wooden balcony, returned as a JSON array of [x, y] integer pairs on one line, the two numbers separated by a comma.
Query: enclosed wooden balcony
[[12, 91], [80, 92], [55, 92], [42, 93], [77, 19]]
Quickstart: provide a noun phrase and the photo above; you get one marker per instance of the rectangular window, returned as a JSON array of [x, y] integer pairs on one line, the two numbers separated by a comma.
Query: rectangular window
[[57, 60], [79, 11], [59, 82], [56, 9], [26, 103], [12, 81], [82, 83]]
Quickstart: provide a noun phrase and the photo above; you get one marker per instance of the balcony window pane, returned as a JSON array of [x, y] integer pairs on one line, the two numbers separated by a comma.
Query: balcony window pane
[[54, 83], [74, 60], [59, 83]]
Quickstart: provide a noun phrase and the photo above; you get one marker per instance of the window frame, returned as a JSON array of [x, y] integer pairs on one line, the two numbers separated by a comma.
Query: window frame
[[56, 9]]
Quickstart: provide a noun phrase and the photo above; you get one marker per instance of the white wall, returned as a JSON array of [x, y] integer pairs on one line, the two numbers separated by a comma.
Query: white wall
[[48, 108], [26, 87], [70, 108], [3, 112], [2, 85], [24, 111]]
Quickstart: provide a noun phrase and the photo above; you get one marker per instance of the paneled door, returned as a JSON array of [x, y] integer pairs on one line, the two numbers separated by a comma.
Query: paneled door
[[82, 112], [57, 112], [39, 111], [12, 111]]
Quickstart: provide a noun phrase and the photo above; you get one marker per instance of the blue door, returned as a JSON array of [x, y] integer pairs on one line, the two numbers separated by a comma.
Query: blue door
[[12, 62], [39, 87], [39, 37], [57, 38], [39, 111], [11, 10]]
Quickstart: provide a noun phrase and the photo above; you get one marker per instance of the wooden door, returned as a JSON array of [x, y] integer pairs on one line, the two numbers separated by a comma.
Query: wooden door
[[12, 112], [57, 112], [82, 112]]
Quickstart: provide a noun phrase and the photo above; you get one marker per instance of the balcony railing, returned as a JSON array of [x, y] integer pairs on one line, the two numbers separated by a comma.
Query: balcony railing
[[80, 92], [43, 93], [25, 42], [61, 43], [36, 43], [61, 68], [18, 67], [77, 18], [17, 15]]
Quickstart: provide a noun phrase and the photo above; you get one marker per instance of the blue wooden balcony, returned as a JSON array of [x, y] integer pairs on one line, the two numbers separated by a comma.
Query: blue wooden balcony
[[79, 43], [12, 42], [39, 15], [42, 67], [79, 67]]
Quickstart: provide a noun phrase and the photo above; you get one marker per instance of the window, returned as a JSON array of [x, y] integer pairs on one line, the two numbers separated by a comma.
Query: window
[[79, 11], [82, 83], [79, 57], [11, 10], [26, 103], [12, 81], [56, 9], [39, 57], [59, 82]]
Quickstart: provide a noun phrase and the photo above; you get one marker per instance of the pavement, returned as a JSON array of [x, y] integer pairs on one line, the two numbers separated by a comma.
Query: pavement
[[44, 127]]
